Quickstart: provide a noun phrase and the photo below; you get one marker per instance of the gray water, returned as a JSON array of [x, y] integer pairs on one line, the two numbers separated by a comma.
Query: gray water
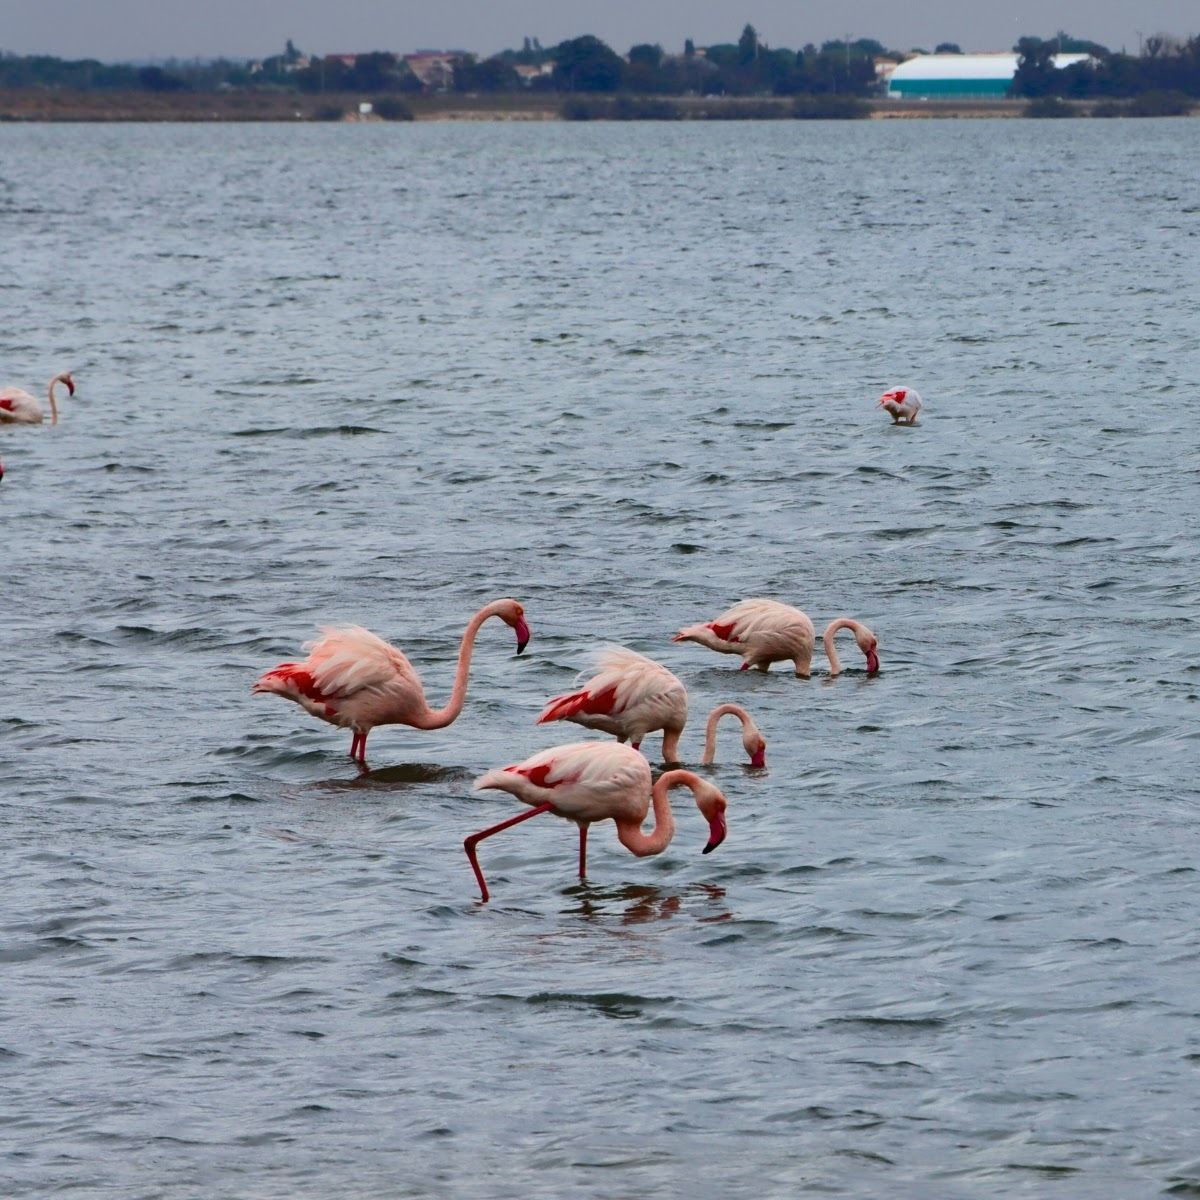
[[626, 374]]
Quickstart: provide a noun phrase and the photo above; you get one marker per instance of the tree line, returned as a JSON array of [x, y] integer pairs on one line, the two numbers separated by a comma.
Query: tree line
[[588, 66], [1163, 65]]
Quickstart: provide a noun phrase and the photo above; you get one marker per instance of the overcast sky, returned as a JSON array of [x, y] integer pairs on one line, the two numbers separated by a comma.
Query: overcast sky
[[132, 29]]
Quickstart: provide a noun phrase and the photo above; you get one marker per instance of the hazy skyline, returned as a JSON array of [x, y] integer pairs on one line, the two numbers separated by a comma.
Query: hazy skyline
[[114, 30]]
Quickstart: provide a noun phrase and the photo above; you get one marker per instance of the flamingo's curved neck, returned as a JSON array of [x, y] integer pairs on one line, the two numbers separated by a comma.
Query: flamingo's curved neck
[[710, 730], [53, 404], [630, 834], [835, 666], [439, 718]]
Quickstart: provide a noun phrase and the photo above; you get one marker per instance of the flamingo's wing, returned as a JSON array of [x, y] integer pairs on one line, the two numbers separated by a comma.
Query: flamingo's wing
[[16, 402], [624, 681], [351, 659], [768, 627], [587, 781]]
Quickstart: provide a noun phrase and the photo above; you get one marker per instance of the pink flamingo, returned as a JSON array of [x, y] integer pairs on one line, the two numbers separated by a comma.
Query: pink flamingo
[[753, 741], [597, 781], [356, 681], [20, 408], [762, 632], [903, 404], [868, 643], [632, 695]]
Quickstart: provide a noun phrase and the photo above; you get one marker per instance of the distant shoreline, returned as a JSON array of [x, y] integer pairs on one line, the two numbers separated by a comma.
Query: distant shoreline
[[44, 104], [40, 104]]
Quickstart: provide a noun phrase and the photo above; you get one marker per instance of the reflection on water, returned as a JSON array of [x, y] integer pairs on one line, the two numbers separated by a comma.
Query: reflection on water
[[639, 904]]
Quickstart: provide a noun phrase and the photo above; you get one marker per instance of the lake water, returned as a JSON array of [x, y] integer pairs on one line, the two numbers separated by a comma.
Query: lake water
[[627, 374]]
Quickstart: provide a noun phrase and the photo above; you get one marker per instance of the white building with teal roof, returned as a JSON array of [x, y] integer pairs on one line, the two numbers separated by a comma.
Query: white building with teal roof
[[960, 76]]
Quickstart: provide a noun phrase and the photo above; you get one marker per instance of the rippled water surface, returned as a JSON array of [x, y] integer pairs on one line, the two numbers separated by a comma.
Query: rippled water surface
[[626, 374]]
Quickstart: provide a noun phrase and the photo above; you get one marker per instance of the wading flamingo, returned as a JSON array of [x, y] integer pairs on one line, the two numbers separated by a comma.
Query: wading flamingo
[[20, 408], [356, 681], [868, 643], [597, 781], [632, 695], [762, 632], [753, 741], [903, 404]]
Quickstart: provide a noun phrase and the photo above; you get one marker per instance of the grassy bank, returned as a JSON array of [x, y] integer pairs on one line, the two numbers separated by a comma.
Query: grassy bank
[[41, 104]]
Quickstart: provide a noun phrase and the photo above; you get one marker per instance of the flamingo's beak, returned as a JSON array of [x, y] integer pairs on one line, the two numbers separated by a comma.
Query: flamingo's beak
[[522, 634], [716, 833], [872, 661], [758, 759], [70, 385], [679, 637]]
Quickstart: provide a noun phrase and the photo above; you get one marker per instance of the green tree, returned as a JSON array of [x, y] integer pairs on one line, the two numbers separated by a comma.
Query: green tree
[[645, 55], [586, 64], [492, 75], [748, 45], [1035, 68]]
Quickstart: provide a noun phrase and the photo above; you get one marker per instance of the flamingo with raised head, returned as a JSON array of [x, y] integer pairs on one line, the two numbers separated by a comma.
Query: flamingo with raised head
[[868, 643], [599, 781], [902, 403], [632, 695], [355, 680], [762, 632], [20, 408]]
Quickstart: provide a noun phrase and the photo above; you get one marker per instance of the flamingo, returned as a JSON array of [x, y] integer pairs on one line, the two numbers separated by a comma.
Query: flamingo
[[761, 631], [20, 408], [595, 781], [632, 695], [868, 643], [753, 741], [903, 404], [355, 680]]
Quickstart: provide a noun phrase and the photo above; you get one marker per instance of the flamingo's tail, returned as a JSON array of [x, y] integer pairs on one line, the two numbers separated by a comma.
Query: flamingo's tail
[[562, 707], [292, 680]]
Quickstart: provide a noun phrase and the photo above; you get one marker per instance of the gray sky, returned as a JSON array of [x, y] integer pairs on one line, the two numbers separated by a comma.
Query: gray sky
[[127, 29]]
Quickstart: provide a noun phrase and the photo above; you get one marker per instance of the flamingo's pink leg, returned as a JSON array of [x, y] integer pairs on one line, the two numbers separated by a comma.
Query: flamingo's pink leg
[[583, 851], [470, 843]]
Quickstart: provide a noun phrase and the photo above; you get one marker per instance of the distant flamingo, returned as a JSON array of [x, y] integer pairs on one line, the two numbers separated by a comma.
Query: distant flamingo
[[356, 681], [903, 404], [632, 695], [868, 643], [597, 781], [20, 408], [761, 631]]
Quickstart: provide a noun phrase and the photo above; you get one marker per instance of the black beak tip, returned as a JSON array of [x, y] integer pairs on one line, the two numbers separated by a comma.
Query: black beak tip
[[521, 646]]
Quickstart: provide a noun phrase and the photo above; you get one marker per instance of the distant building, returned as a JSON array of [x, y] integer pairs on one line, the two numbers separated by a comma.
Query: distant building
[[434, 68], [528, 72], [959, 76]]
